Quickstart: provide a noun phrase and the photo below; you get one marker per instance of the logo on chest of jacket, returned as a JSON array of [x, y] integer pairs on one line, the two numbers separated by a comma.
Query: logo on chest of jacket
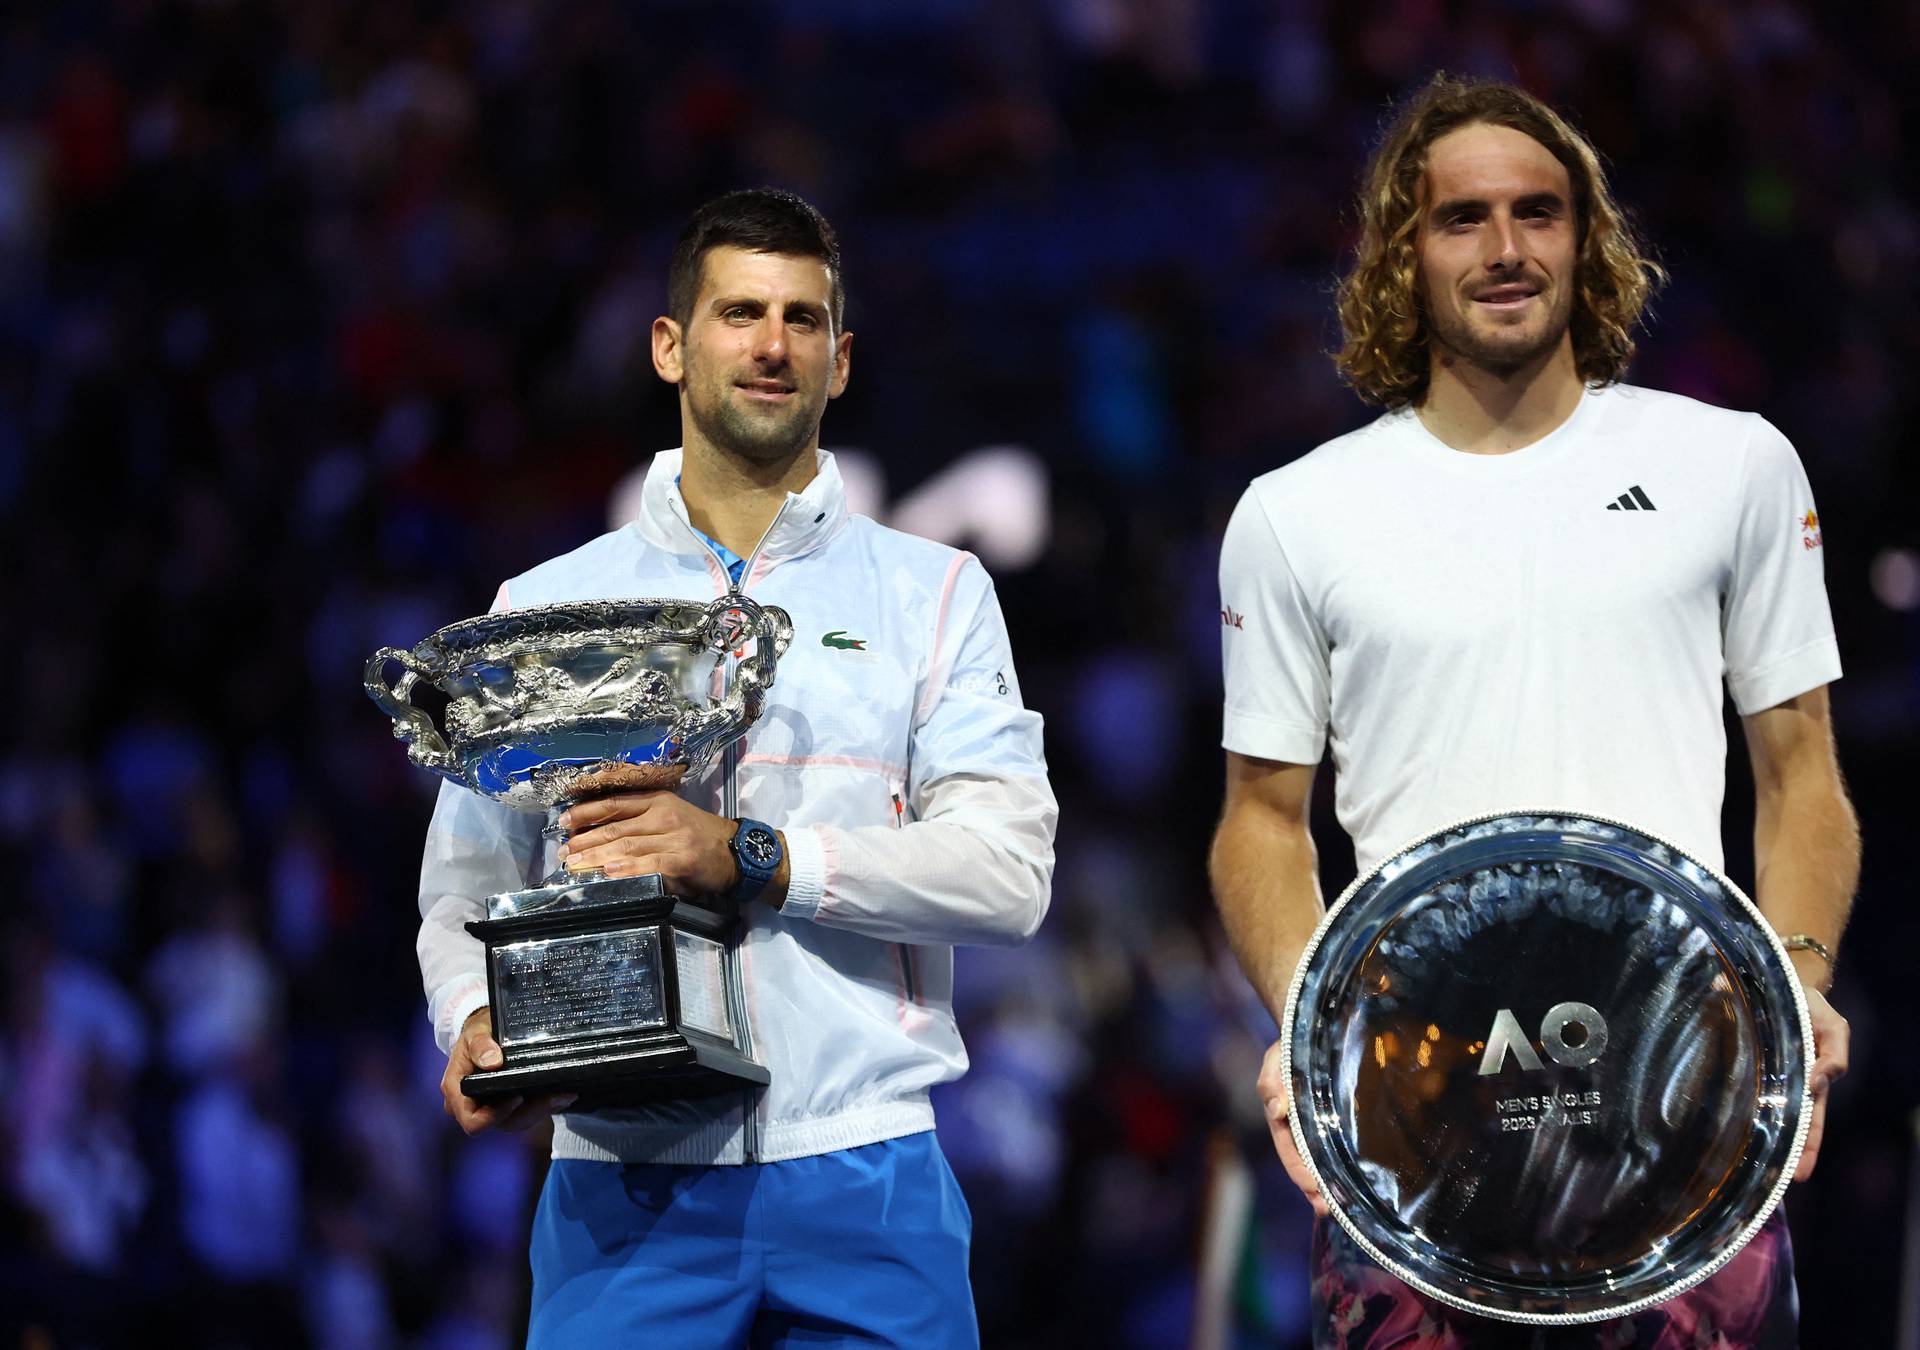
[[1233, 618], [1810, 529], [839, 641]]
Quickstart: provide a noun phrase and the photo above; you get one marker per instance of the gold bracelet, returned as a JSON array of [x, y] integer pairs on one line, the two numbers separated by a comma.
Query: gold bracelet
[[1800, 942]]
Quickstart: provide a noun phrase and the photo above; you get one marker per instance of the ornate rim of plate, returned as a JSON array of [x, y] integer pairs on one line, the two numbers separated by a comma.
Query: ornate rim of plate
[[1373, 896]]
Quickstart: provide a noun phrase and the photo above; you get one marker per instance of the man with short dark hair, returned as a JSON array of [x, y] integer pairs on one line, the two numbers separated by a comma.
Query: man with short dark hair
[[904, 783], [1522, 586]]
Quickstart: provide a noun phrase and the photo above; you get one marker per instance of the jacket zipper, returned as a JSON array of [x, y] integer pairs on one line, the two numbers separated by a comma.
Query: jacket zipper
[[909, 985], [746, 569], [749, 1104]]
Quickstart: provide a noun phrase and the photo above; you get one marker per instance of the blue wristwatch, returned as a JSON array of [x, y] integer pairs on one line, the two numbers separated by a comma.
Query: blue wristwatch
[[757, 849]]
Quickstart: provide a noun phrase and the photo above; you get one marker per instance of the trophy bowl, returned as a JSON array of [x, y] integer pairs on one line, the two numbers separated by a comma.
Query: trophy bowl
[[607, 988], [542, 706], [1547, 1067]]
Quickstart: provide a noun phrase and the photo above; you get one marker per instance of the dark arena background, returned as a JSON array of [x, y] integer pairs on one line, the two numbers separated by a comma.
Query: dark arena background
[[318, 320]]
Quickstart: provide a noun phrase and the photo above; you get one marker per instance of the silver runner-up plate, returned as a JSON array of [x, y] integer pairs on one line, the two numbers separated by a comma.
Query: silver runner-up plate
[[1547, 1067]]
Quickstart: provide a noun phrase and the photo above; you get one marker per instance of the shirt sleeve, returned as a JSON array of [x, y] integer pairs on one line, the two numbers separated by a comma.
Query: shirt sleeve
[[973, 861], [1777, 630], [1273, 651]]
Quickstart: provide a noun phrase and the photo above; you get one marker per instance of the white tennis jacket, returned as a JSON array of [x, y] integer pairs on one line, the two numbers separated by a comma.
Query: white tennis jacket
[[909, 780]]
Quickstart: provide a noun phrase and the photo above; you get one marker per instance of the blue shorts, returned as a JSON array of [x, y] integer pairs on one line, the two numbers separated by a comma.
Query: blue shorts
[[867, 1246]]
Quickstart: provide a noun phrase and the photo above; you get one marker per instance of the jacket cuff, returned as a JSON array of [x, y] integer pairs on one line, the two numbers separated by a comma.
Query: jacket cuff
[[454, 1003], [806, 873]]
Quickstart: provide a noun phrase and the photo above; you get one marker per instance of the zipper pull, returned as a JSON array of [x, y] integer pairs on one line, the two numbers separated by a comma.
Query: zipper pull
[[899, 812]]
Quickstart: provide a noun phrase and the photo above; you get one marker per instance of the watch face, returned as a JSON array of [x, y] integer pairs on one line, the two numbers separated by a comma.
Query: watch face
[[759, 847]]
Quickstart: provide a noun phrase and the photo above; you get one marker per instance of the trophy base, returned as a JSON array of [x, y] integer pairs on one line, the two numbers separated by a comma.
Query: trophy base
[[615, 992], [632, 1076]]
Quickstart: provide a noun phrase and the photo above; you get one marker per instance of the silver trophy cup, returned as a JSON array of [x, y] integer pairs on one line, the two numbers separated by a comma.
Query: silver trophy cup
[[604, 987], [1547, 1067]]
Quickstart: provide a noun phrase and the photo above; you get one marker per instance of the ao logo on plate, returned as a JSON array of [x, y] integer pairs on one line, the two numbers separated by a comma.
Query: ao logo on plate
[[1561, 1019]]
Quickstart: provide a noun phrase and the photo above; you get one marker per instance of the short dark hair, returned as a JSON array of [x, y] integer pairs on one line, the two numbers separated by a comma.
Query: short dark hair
[[760, 220]]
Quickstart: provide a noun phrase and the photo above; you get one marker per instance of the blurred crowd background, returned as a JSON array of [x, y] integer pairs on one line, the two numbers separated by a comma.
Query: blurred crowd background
[[318, 320]]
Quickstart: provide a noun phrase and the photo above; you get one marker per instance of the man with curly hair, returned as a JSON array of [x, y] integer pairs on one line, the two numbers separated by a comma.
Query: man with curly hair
[[1523, 584]]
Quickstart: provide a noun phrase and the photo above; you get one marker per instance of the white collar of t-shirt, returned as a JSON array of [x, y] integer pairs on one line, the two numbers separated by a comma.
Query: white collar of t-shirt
[[1429, 448]]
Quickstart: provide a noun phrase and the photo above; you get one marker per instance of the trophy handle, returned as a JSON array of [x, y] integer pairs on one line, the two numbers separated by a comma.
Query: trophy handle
[[425, 746], [730, 621], [772, 633]]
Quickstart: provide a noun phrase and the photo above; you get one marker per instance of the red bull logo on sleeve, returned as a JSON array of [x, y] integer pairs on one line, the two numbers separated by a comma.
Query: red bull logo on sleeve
[[1810, 529]]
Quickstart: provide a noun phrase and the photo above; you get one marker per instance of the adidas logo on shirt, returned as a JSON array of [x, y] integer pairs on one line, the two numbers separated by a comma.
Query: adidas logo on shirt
[[1633, 499]]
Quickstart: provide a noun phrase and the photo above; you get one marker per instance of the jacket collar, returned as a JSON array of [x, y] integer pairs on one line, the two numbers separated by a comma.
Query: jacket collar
[[809, 518]]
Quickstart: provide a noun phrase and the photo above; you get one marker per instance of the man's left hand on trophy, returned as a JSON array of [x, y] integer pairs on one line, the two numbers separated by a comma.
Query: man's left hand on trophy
[[630, 834], [475, 1049]]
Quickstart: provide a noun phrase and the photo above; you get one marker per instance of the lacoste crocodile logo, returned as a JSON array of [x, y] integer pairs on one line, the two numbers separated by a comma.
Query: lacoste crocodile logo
[[839, 641]]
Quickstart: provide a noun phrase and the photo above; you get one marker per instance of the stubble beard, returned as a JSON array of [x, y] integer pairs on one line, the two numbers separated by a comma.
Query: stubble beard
[[763, 439], [1499, 353]]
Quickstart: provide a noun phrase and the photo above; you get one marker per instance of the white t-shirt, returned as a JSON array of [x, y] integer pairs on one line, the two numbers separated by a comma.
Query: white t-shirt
[[1544, 628]]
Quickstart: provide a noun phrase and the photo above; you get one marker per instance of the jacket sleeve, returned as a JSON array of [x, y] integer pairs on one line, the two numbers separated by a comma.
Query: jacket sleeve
[[475, 848], [973, 864]]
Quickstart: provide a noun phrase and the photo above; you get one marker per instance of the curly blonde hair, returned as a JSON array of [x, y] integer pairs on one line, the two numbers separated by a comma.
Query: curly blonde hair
[[1385, 331]]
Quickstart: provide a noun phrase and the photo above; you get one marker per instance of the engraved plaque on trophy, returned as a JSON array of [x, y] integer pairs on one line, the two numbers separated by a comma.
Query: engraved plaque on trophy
[[1547, 1067], [606, 987]]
